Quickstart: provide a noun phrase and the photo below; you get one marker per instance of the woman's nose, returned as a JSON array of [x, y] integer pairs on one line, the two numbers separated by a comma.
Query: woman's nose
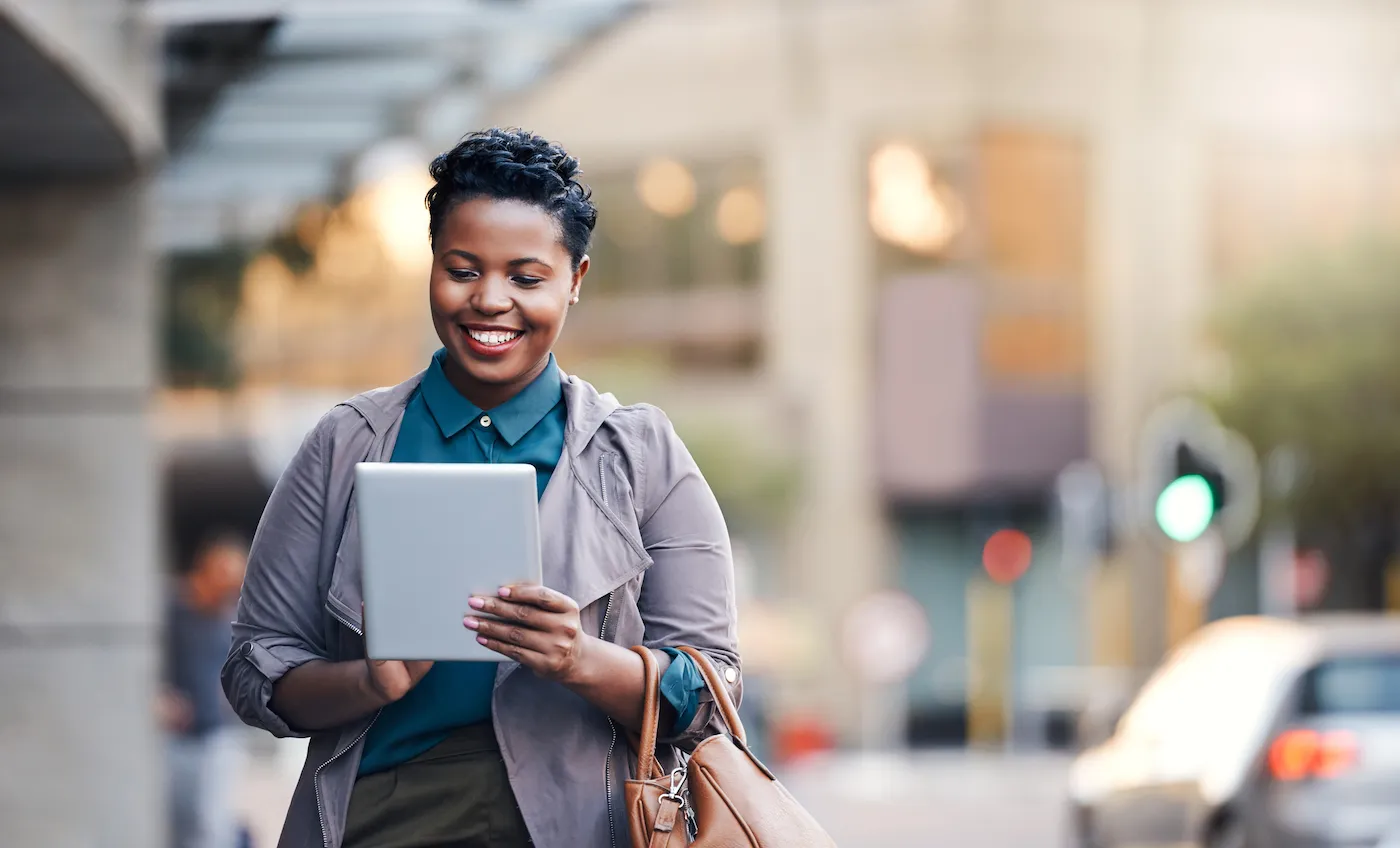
[[492, 295]]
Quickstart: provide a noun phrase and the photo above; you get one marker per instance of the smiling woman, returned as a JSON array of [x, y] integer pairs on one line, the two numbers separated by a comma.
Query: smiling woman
[[501, 285], [634, 550], [509, 225]]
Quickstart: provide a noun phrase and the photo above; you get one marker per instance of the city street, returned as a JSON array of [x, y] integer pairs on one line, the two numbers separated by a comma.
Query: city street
[[954, 799], [949, 799]]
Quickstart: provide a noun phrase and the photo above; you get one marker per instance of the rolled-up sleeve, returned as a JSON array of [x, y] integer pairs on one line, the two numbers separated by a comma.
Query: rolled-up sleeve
[[687, 596], [278, 625]]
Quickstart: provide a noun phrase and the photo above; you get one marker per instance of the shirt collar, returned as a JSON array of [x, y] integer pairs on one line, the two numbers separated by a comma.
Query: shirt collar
[[512, 419]]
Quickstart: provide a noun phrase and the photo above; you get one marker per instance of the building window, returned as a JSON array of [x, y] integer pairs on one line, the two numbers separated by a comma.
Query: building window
[[1007, 209], [672, 225]]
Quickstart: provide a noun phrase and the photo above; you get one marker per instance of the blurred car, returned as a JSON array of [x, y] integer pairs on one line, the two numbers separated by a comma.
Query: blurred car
[[1255, 733]]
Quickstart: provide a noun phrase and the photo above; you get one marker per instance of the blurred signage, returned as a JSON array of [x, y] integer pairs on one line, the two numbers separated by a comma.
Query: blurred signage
[[1310, 573], [1085, 512], [886, 636]]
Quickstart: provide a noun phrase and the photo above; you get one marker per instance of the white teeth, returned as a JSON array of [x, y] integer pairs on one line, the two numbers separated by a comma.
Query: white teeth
[[491, 338]]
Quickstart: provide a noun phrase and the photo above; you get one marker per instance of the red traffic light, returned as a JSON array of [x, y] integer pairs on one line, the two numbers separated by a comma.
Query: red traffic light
[[1007, 555]]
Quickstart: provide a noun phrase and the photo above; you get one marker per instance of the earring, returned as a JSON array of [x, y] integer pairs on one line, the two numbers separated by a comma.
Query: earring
[[573, 300]]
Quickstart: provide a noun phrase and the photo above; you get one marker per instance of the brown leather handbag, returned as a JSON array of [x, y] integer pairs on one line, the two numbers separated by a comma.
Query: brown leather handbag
[[722, 797]]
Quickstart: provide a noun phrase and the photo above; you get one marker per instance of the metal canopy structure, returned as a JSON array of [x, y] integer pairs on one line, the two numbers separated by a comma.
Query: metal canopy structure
[[271, 103]]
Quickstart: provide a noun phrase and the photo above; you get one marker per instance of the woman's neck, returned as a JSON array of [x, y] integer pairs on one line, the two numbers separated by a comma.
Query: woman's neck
[[487, 396]]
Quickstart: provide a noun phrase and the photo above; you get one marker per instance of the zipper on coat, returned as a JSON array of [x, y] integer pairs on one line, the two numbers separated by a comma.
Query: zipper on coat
[[316, 779], [316, 776], [603, 476], [612, 745]]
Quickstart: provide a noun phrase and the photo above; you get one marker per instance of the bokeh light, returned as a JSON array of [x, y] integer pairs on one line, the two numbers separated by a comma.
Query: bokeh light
[[666, 187], [1185, 507], [399, 217], [740, 217], [1007, 555], [908, 207]]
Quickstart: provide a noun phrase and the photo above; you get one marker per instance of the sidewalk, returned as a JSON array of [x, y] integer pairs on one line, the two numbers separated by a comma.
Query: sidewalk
[[905, 799]]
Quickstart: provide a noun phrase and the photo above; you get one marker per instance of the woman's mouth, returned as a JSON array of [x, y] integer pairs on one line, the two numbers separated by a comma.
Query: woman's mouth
[[491, 342]]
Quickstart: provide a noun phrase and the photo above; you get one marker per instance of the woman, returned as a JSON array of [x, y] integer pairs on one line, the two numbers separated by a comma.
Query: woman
[[634, 552]]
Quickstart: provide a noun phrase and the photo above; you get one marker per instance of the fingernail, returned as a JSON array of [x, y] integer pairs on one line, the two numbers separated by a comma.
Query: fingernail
[[505, 591], [477, 603], [471, 622], [481, 639]]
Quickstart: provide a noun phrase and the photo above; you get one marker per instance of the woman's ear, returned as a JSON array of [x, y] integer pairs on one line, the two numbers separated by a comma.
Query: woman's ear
[[577, 282]]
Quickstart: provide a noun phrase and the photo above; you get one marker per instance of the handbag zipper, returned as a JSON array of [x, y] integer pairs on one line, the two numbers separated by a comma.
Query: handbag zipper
[[316, 777]]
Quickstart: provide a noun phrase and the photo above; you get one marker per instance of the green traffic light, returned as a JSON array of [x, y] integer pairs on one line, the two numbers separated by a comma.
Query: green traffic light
[[1185, 508]]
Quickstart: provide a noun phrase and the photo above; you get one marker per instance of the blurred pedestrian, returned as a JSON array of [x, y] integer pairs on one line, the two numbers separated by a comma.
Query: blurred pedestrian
[[205, 749], [635, 552]]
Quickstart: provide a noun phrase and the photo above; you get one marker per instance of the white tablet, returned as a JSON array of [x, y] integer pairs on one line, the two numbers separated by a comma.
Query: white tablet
[[432, 535]]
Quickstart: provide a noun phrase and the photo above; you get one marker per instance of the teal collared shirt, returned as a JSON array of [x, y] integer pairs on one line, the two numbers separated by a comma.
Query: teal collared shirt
[[440, 425]]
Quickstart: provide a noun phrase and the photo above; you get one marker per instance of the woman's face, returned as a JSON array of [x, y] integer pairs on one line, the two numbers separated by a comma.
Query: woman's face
[[500, 288]]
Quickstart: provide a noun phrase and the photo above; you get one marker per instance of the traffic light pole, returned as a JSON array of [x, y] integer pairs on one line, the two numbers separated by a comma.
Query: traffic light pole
[[1278, 594], [1198, 491]]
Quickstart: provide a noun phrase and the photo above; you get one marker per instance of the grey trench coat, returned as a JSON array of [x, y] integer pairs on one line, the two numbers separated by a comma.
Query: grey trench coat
[[630, 530]]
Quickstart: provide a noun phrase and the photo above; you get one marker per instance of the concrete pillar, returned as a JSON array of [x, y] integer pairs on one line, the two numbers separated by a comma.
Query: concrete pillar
[[1150, 274], [820, 313], [80, 752]]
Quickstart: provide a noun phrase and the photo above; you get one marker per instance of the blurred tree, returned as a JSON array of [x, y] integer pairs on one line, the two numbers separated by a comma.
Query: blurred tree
[[755, 484], [1313, 353], [202, 292], [204, 288], [754, 487]]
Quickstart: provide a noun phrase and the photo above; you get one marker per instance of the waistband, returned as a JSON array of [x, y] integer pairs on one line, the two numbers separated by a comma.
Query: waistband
[[471, 740]]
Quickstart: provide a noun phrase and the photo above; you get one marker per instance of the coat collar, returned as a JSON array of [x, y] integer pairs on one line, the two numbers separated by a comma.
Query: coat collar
[[588, 408]]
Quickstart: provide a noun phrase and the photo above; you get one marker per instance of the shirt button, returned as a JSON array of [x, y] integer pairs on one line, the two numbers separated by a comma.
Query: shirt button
[[730, 675], [486, 421]]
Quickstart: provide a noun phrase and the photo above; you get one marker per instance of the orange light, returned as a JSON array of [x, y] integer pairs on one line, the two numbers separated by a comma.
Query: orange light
[[1338, 754], [1007, 555], [1300, 753], [1293, 753]]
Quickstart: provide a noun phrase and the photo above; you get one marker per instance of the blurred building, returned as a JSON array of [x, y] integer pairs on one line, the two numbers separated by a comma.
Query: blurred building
[[945, 248], [78, 505], [890, 265]]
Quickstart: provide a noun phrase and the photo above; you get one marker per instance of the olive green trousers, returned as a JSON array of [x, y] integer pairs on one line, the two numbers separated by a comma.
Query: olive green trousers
[[454, 795]]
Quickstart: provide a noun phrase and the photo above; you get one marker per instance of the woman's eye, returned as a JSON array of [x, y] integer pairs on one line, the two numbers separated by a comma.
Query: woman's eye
[[528, 281], [461, 273]]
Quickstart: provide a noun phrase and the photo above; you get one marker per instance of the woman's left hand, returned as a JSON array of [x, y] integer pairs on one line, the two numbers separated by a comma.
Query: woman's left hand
[[537, 627]]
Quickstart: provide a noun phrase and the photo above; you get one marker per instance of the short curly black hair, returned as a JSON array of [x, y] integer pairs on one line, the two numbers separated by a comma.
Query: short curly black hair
[[514, 164]]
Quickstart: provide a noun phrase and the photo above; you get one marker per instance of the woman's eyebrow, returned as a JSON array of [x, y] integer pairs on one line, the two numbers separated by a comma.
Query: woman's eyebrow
[[514, 263]]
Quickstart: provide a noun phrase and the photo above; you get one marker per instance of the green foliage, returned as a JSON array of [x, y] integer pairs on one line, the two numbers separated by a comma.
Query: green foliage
[[202, 292], [1314, 363], [754, 487]]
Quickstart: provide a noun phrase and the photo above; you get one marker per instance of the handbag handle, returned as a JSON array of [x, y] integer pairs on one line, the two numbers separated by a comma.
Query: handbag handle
[[719, 692], [647, 769]]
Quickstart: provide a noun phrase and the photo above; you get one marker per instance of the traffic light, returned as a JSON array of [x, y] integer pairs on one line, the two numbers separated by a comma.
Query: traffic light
[[1197, 475], [1196, 492]]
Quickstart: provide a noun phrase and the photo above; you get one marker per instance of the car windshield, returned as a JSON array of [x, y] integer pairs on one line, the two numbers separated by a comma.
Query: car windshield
[[1357, 684]]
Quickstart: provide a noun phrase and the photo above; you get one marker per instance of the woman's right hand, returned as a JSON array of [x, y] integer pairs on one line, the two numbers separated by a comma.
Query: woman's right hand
[[392, 679]]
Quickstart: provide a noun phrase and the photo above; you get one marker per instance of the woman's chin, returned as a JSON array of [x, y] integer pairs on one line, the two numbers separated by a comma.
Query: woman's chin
[[492, 371]]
